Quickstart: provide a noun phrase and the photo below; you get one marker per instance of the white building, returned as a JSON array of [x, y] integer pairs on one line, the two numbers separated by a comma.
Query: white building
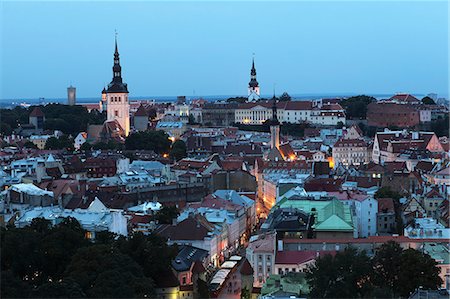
[[426, 228], [80, 140], [350, 152], [92, 221], [365, 208], [261, 255], [291, 112]]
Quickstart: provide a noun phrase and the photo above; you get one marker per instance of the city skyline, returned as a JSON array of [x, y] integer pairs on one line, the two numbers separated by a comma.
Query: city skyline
[[185, 54]]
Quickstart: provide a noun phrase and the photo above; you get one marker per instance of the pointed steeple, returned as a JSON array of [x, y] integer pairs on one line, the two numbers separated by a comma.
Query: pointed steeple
[[253, 83], [274, 121], [117, 84]]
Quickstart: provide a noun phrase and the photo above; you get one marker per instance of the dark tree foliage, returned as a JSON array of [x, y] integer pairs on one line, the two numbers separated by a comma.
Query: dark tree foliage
[[67, 288], [44, 261], [110, 145], [346, 275], [105, 272], [152, 113], [11, 118], [441, 126], [387, 266], [150, 252], [291, 129], [237, 100], [5, 129], [70, 119], [428, 101], [157, 141], [417, 269], [367, 130], [391, 273], [30, 144], [356, 107], [285, 97], [86, 146], [178, 150], [167, 214], [63, 142]]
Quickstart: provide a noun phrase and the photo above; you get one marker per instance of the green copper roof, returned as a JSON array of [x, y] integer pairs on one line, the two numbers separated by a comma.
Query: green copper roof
[[290, 284], [331, 215]]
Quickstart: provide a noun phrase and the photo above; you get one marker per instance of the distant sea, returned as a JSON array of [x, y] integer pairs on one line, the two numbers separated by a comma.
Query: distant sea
[[9, 103]]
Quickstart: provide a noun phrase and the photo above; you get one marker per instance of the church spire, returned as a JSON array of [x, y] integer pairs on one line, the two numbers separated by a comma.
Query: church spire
[[117, 84], [253, 86], [117, 69]]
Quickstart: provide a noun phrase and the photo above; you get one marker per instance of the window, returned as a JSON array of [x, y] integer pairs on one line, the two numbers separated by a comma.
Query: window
[[184, 280], [116, 113]]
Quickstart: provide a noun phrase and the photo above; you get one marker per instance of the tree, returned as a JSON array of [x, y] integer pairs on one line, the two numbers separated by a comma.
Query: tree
[[339, 125], [86, 146], [30, 144], [441, 126], [178, 150], [59, 289], [151, 252], [417, 270], [102, 271], [13, 286], [285, 97], [191, 119], [356, 107], [428, 101], [346, 275], [237, 100], [387, 266], [63, 142], [167, 214], [245, 293], [157, 141]]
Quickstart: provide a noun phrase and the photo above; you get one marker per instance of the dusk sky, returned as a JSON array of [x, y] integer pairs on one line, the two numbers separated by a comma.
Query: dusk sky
[[174, 48]]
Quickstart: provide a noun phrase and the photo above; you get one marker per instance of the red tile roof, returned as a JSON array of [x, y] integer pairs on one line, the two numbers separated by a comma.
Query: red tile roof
[[299, 257], [192, 228], [141, 111], [37, 112], [246, 268], [371, 239], [405, 97], [350, 143], [385, 205]]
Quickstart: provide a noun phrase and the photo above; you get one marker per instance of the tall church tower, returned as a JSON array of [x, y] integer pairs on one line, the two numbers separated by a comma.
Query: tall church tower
[[253, 86], [274, 152], [116, 94]]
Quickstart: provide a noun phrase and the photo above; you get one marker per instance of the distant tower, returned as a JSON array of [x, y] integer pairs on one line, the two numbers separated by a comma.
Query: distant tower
[[253, 86], [103, 101], [71, 95], [117, 105], [140, 119], [274, 152], [37, 118], [274, 127]]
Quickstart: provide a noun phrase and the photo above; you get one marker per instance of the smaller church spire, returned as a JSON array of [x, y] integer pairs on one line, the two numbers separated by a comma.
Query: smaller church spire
[[117, 51]]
